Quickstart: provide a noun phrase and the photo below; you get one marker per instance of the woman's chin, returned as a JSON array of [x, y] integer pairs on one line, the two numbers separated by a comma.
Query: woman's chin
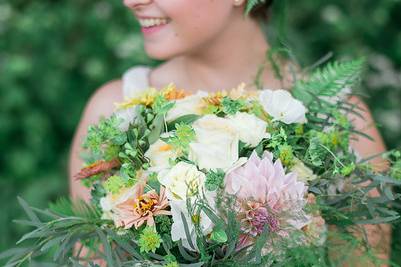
[[159, 52]]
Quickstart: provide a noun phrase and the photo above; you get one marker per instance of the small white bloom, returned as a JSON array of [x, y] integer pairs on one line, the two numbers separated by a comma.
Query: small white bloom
[[189, 105], [182, 181], [250, 128], [216, 144], [159, 154], [304, 174], [126, 117], [282, 106]]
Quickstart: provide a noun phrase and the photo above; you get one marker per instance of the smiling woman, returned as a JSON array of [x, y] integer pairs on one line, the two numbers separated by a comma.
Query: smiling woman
[[205, 45]]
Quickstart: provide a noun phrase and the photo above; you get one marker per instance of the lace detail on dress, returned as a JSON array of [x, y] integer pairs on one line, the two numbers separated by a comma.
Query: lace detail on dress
[[135, 80]]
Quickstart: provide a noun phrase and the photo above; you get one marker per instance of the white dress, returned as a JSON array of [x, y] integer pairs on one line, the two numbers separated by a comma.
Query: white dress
[[135, 80]]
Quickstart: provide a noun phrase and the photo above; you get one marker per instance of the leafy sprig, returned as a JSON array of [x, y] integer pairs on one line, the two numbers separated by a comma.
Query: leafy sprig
[[251, 4], [180, 139], [329, 81]]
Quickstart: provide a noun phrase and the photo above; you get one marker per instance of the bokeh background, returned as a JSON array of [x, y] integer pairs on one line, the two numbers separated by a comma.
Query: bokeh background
[[55, 53]]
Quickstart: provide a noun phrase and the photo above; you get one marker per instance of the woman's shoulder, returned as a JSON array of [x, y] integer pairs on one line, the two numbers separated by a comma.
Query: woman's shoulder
[[101, 103]]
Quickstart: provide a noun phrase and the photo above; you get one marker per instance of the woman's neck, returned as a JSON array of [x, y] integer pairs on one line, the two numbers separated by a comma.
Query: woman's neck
[[224, 63]]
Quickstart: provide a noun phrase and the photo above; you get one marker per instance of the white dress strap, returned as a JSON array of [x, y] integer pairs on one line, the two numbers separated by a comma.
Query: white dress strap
[[135, 80]]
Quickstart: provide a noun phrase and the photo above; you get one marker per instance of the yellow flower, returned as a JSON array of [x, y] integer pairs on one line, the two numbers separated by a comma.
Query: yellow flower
[[172, 93], [215, 98], [146, 98]]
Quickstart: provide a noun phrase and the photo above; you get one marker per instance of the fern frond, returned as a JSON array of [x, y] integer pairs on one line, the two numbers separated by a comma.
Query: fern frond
[[329, 81], [65, 207]]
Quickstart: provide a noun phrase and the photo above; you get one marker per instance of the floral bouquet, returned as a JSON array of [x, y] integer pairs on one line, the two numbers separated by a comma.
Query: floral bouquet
[[232, 178]]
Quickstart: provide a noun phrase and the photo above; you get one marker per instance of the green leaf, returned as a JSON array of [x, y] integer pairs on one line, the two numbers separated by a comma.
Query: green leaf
[[106, 247], [32, 216], [184, 253], [124, 244], [186, 119], [219, 236], [51, 243], [157, 128], [186, 229]]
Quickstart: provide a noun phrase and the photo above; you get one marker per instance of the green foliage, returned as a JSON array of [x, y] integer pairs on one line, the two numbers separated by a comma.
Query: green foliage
[[149, 240], [329, 81], [251, 4], [114, 183], [65, 207], [162, 105], [181, 137], [106, 132], [231, 106], [214, 180], [57, 230], [163, 224]]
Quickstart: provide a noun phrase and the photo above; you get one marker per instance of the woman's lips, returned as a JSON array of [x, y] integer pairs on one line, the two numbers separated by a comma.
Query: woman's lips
[[152, 29], [152, 24]]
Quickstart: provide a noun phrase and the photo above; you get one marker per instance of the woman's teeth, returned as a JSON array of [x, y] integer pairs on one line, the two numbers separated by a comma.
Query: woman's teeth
[[152, 22]]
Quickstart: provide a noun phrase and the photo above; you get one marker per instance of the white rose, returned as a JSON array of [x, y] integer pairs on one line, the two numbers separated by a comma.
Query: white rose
[[179, 207], [216, 143], [159, 154], [304, 174], [282, 106], [185, 106], [182, 181], [250, 128], [126, 117]]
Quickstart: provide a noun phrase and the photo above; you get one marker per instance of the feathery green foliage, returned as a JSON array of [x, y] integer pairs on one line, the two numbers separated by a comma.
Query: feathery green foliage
[[329, 81]]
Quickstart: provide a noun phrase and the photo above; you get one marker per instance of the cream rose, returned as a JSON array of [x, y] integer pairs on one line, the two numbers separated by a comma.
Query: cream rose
[[251, 129], [182, 181], [216, 144], [159, 154], [188, 105]]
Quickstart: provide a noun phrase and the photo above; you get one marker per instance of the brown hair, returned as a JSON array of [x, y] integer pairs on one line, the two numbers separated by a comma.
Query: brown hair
[[261, 11]]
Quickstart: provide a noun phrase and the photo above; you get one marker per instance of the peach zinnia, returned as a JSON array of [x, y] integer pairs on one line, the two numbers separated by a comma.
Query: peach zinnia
[[142, 207]]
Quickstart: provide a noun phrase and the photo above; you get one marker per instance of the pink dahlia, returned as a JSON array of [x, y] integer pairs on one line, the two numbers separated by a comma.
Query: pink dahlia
[[267, 196]]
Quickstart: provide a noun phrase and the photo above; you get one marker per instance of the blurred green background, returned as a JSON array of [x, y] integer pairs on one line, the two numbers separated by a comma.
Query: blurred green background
[[55, 53]]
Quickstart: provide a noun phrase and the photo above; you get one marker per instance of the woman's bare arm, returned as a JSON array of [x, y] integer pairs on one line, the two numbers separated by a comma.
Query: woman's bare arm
[[100, 105], [379, 236]]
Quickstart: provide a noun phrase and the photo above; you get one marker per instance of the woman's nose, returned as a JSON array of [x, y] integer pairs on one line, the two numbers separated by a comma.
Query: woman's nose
[[136, 3]]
